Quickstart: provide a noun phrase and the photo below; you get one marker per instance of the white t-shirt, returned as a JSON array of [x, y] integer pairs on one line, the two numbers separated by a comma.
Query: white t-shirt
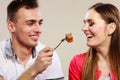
[[11, 68]]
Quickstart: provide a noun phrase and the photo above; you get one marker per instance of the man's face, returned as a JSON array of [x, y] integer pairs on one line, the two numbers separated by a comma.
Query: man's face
[[27, 27]]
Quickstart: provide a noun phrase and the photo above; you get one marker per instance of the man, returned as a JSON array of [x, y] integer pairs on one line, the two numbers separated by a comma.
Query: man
[[22, 57]]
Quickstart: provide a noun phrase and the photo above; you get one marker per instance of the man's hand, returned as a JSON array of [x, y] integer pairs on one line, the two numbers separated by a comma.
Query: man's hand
[[43, 60]]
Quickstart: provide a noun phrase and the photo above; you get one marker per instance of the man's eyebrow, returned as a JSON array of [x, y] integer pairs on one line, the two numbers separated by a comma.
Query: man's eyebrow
[[41, 20], [32, 20]]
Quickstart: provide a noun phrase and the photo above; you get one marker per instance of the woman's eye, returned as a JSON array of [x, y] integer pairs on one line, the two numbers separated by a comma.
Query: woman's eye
[[91, 24]]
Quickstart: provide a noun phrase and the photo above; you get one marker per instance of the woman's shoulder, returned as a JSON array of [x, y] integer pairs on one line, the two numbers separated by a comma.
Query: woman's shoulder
[[78, 59], [79, 56], [75, 66]]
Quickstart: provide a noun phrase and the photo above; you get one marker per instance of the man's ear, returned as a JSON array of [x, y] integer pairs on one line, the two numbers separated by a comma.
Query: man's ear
[[11, 26], [111, 28]]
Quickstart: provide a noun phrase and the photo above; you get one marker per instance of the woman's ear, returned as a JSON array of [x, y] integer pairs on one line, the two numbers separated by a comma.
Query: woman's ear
[[111, 28], [11, 26]]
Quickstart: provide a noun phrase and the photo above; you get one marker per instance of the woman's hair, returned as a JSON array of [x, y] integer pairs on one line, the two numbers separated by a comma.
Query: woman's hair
[[110, 14]]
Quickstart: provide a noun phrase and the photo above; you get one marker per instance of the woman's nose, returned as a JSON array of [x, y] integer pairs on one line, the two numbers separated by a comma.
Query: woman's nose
[[85, 28]]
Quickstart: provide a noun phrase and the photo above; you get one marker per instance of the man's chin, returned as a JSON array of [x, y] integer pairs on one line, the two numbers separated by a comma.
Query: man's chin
[[34, 44]]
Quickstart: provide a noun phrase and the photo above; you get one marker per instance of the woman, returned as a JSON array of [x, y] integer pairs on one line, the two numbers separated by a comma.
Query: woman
[[102, 61]]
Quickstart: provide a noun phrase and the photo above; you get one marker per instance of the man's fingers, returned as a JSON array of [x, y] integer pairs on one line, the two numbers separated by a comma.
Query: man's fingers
[[47, 49]]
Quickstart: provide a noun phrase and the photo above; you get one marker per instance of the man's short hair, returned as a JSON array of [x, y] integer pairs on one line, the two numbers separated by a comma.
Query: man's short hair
[[15, 5]]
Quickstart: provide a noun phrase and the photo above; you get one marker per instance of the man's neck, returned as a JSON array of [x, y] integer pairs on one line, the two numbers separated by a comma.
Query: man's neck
[[22, 52]]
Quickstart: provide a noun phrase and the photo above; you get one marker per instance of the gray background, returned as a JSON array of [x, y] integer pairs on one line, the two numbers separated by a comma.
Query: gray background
[[60, 17]]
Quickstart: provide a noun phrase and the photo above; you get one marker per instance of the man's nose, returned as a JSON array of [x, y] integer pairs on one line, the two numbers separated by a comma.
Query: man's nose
[[37, 28]]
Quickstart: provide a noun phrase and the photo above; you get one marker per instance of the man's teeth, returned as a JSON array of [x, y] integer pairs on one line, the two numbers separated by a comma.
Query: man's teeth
[[34, 36]]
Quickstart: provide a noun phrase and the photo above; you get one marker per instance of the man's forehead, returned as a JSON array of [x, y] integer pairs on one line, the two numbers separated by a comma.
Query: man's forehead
[[29, 14]]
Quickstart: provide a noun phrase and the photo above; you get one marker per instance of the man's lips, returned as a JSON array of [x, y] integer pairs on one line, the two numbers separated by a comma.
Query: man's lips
[[34, 37]]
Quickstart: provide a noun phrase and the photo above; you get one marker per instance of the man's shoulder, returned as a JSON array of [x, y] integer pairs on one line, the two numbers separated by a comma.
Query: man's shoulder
[[2, 51], [2, 45], [3, 42]]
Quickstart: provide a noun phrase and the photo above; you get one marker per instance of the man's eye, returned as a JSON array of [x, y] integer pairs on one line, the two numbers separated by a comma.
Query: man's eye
[[30, 23], [41, 22]]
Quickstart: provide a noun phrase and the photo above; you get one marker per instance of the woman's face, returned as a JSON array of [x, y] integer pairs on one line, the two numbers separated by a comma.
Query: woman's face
[[95, 29]]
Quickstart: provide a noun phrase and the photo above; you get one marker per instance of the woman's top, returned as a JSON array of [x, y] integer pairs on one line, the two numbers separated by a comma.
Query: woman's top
[[75, 68]]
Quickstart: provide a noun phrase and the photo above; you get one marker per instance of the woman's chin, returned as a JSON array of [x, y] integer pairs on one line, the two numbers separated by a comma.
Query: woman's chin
[[90, 45]]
